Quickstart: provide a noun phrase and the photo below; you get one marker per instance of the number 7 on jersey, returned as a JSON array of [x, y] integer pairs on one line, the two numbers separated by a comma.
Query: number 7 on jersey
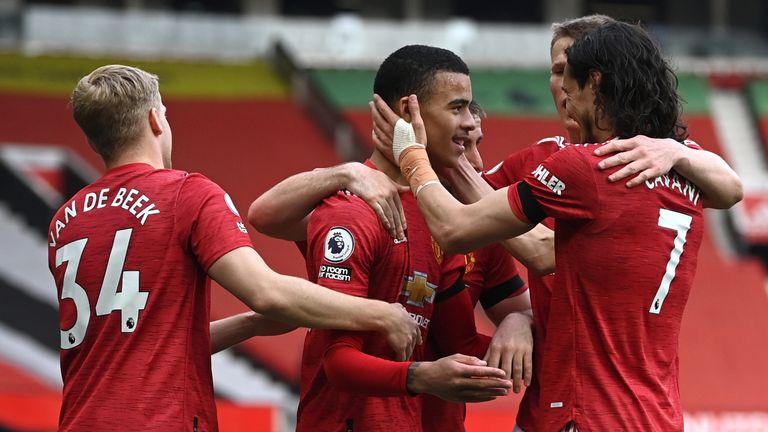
[[681, 223]]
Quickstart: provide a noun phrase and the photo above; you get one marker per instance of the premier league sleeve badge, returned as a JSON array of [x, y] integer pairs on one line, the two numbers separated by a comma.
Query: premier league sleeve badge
[[339, 245]]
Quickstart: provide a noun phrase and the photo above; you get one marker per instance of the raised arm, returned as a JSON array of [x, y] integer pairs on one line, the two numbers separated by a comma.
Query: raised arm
[[458, 228], [283, 211], [646, 158], [534, 249], [302, 303]]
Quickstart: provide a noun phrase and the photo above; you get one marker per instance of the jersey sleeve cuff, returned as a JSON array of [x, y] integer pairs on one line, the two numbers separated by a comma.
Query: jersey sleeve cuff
[[524, 204]]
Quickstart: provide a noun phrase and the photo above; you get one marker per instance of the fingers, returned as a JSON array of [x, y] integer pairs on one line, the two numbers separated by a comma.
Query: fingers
[[528, 368], [383, 217], [409, 349], [467, 360], [493, 358], [483, 394], [614, 146], [618, 159], [642, 178], [643, 172], [472, 388], [384, 110], [384, 211], [483, 372], [382, 130], [625, 171], [398, 218], [416, 120], [517, 372], [401, 355], [389, 209], [399, 206], [404, 343]]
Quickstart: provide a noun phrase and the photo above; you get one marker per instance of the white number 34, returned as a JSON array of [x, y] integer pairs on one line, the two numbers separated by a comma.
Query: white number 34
[[681, 223], [129, 301]]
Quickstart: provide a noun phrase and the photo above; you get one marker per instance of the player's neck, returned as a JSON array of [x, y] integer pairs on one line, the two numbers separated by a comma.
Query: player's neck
[[387, 167], [137, 154], [603, 136]]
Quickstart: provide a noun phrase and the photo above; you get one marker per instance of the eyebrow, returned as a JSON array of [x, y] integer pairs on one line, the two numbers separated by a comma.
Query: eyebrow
[[459, 102]]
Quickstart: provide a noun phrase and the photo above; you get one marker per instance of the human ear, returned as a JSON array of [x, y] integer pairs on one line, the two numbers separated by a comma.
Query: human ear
[[402, 106], [154, 122], [595, 77]]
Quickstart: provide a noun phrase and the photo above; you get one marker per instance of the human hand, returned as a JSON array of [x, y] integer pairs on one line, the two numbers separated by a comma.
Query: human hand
[[382, 194], [391, 134], [382, 130], [511, 349], [458, 378], [402, 332], [641, 155]]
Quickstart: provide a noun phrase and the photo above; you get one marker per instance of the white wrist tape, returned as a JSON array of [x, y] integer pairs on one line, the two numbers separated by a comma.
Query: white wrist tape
[[403, 138]]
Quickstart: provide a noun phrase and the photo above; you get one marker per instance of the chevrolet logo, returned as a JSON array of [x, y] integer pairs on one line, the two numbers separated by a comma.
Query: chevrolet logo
[[418, 289]]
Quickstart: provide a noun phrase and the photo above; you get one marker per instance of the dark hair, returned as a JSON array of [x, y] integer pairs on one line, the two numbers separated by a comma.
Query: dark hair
[[638, 89], [411, 70], [477, 110]]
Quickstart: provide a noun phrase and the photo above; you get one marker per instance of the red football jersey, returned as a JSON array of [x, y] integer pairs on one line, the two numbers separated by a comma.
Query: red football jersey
[[513, 169], [490, 276], [129, 254], [349, 250], [626, 259]]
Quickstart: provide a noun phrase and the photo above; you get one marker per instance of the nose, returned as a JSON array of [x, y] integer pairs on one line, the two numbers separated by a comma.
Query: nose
[[467, 120]]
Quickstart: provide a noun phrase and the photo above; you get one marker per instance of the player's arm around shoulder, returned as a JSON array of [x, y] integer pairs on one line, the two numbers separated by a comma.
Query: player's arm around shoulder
[[283, 211], [645, 158]]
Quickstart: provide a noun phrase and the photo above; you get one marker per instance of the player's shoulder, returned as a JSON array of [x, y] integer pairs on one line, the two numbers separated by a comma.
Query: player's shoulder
[[347, 207], [190, 183], [188, 178], [584, 151], [517, 161], [555, 141]]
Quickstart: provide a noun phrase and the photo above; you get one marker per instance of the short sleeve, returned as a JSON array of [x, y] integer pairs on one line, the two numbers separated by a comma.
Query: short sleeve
[[563, 186], [344, 239], [502, 279], [452, 272], [518, 164], [210, 223]]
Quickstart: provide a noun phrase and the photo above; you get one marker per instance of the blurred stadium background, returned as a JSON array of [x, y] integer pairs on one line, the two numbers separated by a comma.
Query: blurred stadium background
[[261, 89]]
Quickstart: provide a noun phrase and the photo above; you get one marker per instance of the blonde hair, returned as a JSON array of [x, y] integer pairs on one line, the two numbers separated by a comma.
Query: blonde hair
[[578, 27], [111, 105]]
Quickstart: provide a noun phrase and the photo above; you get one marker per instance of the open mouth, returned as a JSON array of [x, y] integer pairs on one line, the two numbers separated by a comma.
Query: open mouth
[[461, 142]]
